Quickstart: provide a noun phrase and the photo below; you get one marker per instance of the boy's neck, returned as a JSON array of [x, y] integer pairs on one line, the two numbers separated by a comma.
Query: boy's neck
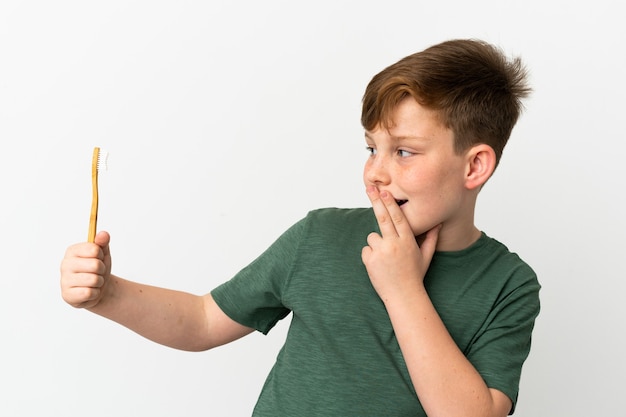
[[455, 238]]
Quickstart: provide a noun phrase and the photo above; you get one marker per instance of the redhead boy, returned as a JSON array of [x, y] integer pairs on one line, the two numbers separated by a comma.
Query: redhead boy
[[402, 309]]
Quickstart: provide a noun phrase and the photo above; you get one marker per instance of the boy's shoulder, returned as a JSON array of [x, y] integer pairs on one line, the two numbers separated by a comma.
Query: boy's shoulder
[[331, 213], [342, 218], [488, 258], [505, 262], [333, 226]]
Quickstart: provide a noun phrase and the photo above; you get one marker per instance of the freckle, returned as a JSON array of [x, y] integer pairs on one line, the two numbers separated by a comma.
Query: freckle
[[140, 290]]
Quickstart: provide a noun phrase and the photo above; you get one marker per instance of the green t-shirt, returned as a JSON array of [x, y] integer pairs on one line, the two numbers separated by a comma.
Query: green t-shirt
[[341, 357]]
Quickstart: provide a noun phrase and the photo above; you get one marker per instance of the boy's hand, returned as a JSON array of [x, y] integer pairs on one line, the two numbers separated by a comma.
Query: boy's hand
[[85, 271], [394, 261]]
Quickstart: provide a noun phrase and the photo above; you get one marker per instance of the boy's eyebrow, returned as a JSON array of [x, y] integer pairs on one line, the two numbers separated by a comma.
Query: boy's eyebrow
[[420, 138], [402, 138]]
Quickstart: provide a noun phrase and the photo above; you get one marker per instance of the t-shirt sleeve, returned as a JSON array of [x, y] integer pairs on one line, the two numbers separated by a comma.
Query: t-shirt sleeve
[[504, 344], [253, 297]]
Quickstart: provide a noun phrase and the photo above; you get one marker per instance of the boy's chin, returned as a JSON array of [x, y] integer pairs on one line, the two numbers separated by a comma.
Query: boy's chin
[[420, 233]]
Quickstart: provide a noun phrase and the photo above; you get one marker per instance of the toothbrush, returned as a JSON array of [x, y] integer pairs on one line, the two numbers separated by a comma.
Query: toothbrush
[[98, 164]]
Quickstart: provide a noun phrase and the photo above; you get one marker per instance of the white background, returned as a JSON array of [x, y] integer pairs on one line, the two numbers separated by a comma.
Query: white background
[[227, 123]]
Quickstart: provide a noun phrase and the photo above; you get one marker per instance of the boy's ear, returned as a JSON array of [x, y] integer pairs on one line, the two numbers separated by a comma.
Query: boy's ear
[[481, 162]]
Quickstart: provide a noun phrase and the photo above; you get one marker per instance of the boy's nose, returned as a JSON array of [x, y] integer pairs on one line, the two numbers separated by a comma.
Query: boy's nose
[[376, 172]]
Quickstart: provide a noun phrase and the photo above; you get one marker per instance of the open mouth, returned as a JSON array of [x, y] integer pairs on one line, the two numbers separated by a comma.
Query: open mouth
[[401, 202]]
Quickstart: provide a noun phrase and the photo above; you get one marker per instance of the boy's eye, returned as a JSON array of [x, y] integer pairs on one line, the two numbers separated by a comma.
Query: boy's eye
[[370, 150], [403, 153]]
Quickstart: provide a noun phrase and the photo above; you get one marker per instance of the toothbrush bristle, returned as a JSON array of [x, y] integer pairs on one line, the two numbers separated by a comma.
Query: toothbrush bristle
[[102, 160]]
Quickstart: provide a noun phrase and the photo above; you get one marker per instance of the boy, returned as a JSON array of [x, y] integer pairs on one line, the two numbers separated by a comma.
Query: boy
[[404, 309]]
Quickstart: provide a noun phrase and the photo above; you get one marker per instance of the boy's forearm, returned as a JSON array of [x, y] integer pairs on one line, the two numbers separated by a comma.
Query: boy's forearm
[[171, 318], [447, 384]]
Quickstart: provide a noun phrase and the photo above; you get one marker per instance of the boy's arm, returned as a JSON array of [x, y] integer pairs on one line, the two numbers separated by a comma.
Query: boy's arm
[[172, 318], [446, 383]]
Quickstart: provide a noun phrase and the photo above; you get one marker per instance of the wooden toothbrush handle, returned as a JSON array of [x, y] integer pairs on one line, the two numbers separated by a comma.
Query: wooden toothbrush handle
[[93, 219]]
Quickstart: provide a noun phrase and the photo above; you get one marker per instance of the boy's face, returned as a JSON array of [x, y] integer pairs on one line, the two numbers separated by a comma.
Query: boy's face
[[415, 162]]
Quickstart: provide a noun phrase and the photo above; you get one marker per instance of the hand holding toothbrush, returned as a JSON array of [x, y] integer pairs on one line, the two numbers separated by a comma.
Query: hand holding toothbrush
[[85, 272]]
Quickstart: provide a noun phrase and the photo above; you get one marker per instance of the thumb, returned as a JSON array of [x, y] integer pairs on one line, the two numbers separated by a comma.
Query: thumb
[[430, 242], [102, 239]]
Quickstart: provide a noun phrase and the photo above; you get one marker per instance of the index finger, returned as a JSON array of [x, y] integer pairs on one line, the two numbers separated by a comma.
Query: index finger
[[390, 217]]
